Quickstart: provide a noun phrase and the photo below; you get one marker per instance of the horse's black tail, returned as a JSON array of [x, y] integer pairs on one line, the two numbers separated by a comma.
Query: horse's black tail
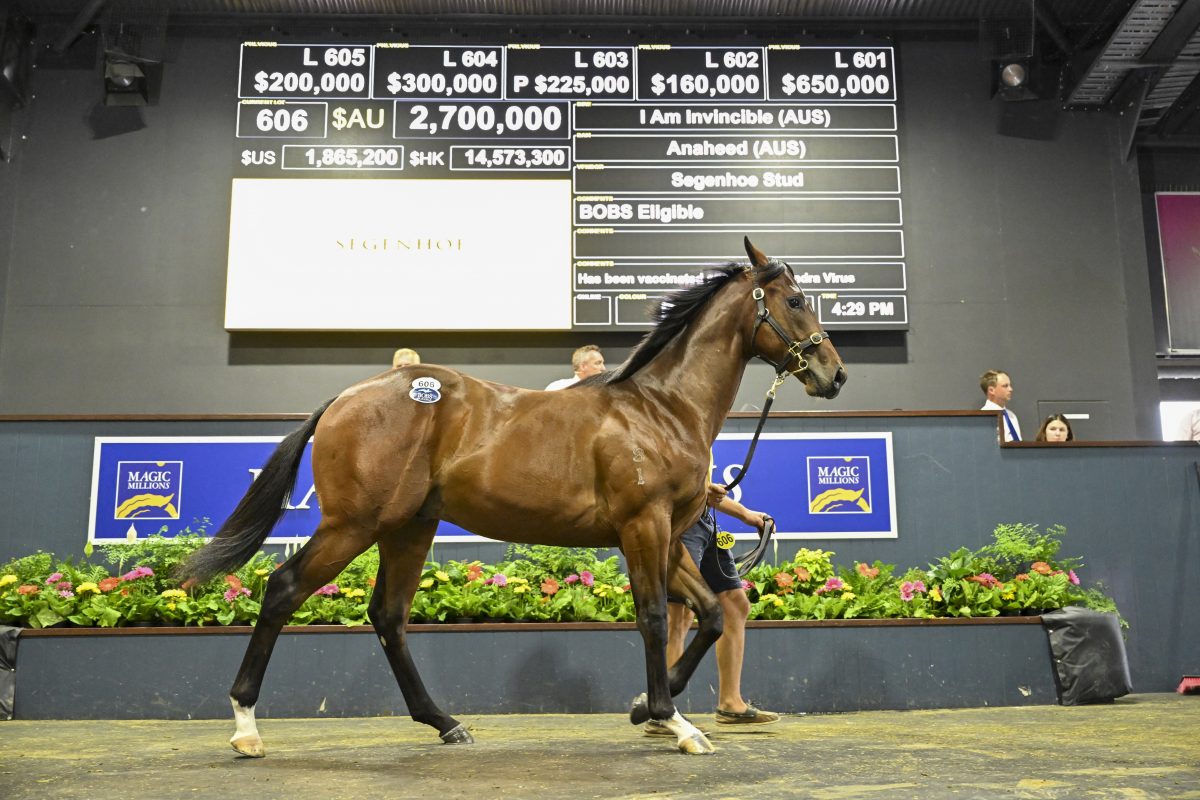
[[256, 514]]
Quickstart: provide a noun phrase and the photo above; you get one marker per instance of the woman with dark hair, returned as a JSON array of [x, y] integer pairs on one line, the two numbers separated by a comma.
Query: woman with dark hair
[[1055, 428]]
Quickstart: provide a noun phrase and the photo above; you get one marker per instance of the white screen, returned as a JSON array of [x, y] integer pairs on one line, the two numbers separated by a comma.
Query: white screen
[[356, 255]]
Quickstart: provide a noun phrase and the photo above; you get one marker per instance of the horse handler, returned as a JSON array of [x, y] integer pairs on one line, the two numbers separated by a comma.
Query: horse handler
[[720, 573]]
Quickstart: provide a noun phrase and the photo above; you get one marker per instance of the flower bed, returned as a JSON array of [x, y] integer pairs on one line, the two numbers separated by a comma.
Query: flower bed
[[1020, 572]]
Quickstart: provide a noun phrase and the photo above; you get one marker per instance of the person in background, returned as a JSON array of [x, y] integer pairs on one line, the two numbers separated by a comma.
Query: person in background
[[1055, 428], [1189, 426], [586, 361], [997, 388], [405, 357]]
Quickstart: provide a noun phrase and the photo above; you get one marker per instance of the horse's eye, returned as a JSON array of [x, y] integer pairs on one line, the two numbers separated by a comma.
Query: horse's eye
[[796, 301]]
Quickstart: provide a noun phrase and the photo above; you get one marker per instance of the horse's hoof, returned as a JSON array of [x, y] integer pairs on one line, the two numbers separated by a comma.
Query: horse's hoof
[[249, 746], [696, 745], [458, 735], [639, 712]]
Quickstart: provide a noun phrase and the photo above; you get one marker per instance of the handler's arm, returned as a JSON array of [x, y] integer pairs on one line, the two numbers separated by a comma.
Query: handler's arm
[[735, 509]]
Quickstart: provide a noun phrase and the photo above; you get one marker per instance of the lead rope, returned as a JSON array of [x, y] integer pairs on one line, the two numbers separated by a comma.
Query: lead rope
[[749, 560]]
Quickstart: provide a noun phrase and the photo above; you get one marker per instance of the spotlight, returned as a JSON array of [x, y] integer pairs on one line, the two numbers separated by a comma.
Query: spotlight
[[124, 84], [1013, 75], [1014, 80]]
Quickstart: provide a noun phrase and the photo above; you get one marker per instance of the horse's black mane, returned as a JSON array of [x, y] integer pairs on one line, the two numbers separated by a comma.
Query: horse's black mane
[[676, 312]]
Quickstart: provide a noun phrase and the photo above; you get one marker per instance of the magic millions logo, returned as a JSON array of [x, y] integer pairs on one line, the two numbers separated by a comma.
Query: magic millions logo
[[839, 485], [148, 489]]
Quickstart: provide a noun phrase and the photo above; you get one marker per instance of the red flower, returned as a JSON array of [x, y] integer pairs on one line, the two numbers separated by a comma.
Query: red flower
[[803, 574], [28, 588], [371, 582], [1024, 576], [235, 583], [108, 584], [550, 586], [867, 572], [1040, 567], [474, 572]]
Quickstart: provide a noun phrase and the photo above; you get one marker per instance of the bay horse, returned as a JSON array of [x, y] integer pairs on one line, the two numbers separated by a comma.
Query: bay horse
[[621, 459]]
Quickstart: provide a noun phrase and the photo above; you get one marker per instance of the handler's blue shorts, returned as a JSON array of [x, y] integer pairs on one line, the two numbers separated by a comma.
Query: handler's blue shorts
[[716, 565]]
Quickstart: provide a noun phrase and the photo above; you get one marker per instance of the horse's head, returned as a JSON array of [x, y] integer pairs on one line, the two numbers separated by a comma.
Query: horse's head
[[787, 334]]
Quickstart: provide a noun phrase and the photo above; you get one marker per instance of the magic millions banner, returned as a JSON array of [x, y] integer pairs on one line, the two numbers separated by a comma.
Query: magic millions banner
[[816, 486]]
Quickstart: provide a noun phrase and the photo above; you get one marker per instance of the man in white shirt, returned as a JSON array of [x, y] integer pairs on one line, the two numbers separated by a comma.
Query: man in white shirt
[[586, 361], [997, 388]]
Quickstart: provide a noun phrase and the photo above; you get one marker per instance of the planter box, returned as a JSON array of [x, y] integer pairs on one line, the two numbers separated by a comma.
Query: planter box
[[839, 665]]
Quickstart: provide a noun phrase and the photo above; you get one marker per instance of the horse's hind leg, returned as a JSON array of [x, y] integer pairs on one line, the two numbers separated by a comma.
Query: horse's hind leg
[[401, 557], [322, 559]]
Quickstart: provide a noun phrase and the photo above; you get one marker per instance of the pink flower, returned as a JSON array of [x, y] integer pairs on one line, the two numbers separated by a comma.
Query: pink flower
[[747, 585], [586, 578], [55, 578], [909, 589], [498, 579], [66, 593], [572, 578], [232, 594], [1073, 577], [138, 572], [831, 585], [327, 589]]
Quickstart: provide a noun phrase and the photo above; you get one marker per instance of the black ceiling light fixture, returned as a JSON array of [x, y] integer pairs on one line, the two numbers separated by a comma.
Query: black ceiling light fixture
[[133, 33], [127, 81]]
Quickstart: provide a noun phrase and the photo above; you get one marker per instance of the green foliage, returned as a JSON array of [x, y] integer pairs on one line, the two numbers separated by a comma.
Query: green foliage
[[1020, 571], [1018, 545]]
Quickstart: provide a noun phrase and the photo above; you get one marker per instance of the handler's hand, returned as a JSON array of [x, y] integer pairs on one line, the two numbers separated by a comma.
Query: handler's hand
[[716, 493], [757, 518]]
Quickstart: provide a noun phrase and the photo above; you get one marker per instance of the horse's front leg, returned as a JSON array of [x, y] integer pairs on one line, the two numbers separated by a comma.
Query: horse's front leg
[[646, 554]]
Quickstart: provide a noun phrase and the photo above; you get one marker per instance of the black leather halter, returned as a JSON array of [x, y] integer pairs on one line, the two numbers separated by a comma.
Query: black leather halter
[[795, 347]]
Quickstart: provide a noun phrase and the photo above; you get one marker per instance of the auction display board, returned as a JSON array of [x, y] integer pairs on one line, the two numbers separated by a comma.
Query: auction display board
[[571, 187]]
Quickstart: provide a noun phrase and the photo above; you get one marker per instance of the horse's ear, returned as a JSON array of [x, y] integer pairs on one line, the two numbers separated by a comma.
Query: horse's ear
[[756, 256]]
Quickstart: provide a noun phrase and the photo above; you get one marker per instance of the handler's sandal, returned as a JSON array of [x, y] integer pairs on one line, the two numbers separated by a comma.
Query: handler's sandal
[[656, 728], [751, 716]]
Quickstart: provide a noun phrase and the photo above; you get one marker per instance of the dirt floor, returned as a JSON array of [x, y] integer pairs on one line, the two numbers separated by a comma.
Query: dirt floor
[[1142, 746]]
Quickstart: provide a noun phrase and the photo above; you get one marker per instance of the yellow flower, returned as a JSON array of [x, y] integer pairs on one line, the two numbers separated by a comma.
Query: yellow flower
[[171, 606], [174, 594], [520, 587], [7, 579], [87, 586], [1008, 596], [936, 593], [441, 576], [847, 595], [356, 593], [769, 597], [261, 572], [518, 580], [425, 584], [777, 602], [618, 590]]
